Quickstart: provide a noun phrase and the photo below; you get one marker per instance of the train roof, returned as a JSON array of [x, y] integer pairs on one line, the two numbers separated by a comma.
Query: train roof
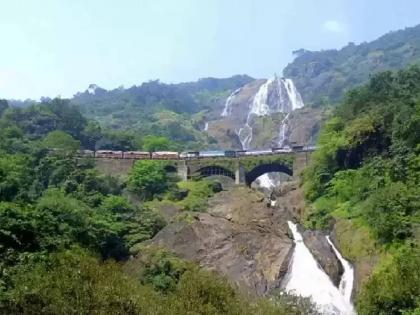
[[137, 152], [108, 151], [165, 152]]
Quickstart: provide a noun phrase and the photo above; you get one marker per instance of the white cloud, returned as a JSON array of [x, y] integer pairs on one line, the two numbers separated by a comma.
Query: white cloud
[[333, 26]]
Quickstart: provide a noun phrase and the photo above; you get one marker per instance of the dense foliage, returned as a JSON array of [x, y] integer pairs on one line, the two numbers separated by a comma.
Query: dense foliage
[[173, 111], [63, 226], [324, 76], [75, 282], [368, 170], [395, 287]]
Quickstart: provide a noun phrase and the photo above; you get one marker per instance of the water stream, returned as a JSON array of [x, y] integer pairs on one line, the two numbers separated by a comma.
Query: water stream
[[307, 279], [347, 279], [227, 110], [283, 131]]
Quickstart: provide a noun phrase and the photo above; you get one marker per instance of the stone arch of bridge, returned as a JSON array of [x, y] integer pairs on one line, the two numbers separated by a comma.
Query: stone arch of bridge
[[170, 168], [212, 170], [266, 168]]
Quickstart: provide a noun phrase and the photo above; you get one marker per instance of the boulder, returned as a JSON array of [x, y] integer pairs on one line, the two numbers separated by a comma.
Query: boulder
[[324, 254], [239, 237]]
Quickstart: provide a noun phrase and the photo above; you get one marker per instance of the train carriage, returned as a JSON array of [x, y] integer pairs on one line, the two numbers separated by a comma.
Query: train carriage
[[109, 154], [281, 150], [230, 153], [240, 152], [137, 155], [191, 154], [87, 153], [258, 152], [207, 154], [165, 155], [297, 148]]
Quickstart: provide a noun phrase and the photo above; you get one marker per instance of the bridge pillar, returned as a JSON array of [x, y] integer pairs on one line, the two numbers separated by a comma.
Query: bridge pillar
[[182, 169], [239, 174], [300, 162]]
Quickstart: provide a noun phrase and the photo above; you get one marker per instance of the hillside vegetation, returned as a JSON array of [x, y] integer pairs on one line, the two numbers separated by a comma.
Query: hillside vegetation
[[324, 76], [367, 172], [175, 111], [67, 232]]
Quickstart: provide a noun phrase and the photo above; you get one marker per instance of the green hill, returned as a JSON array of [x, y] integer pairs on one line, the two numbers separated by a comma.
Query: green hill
[[365, 180], [175, 111], [324, 76]]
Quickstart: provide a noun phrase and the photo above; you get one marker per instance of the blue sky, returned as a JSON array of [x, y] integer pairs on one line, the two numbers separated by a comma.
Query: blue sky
[[59, 47]]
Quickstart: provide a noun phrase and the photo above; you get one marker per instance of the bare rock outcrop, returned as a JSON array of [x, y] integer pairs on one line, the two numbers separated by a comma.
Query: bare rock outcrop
[[239, 237], [324, 254]]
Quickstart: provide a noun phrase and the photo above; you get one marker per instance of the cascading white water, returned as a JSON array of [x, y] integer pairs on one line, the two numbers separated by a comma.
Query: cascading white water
[[245, 135], [227, 110], [206, 126], [259, 107], [347, 279], [265, 181], [274, 95], [306, 278], [283, 131], [294, 96]]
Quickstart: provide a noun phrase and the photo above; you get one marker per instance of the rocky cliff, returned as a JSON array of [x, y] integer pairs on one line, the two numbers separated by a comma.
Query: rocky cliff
[[265, 113], [239, 236]]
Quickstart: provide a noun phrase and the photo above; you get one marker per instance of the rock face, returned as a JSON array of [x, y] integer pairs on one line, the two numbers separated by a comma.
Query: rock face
[[265, 113], [323, 254], [240, 237]]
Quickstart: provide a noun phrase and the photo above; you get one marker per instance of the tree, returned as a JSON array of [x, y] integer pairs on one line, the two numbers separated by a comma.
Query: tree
[[148, 178], [155, 143], [388, 211], [120, 140], [91, 134], [15, 175], [75, 282], [58, 139], [395, 288], [3, 106]]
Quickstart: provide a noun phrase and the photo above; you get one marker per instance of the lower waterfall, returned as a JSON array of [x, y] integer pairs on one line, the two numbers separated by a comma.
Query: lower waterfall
[[307, 279], [347, 279]]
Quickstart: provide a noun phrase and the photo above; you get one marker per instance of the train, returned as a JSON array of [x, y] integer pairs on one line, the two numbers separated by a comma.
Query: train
[[172, 155]]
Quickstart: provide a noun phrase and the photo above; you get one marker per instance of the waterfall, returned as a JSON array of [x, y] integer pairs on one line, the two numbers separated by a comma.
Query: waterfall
[[259, 105], [293, 94], [273, 96], [227, 110], [206, 126], [265, 181], [245, 135], [307, 279], [347, 279], [283, 131]]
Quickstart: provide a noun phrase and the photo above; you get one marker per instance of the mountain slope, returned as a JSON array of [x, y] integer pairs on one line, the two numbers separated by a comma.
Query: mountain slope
[[175, 111], [324, 76], [262, 114]]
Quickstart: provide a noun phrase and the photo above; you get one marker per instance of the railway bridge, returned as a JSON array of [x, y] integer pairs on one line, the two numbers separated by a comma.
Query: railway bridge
[[243, 170]]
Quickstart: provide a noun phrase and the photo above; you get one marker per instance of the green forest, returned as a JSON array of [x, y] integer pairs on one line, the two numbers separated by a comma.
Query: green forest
[[174, 111], [323, 77], [366, 178], [67, 232], [76, 241]]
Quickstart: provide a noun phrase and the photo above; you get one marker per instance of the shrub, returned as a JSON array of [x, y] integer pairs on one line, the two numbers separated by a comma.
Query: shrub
[[394, 288], [148, 178]]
